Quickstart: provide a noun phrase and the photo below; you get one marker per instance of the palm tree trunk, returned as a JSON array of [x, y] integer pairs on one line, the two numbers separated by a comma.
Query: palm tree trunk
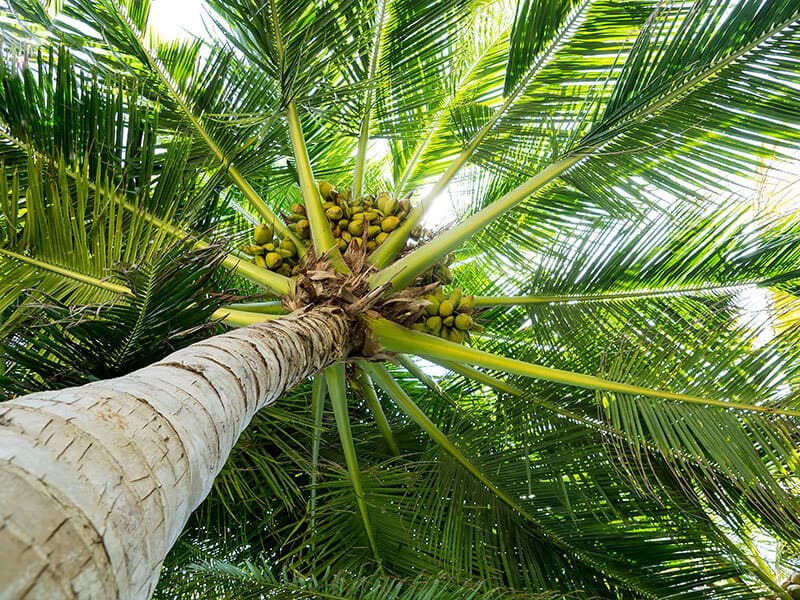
[[97, 481]]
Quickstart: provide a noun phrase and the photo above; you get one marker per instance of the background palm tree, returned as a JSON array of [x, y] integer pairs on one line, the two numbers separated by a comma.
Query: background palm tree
[[605, 156]]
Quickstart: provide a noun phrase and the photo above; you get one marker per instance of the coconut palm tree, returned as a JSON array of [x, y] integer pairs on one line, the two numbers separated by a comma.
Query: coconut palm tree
[[554, 390]]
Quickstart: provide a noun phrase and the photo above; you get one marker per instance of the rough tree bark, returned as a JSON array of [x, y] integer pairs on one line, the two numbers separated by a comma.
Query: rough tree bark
[[97, 481]]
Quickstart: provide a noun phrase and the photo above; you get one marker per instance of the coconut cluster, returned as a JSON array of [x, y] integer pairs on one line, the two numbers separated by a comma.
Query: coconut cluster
[[449, 317], [271, 253], [368, 220], [358, 227], [365, 222], [792, 585]]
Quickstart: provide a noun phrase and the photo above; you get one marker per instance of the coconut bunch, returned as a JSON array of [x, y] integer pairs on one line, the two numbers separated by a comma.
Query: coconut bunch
[[449, 317], [792, 585], [367, 220], [271, 253]]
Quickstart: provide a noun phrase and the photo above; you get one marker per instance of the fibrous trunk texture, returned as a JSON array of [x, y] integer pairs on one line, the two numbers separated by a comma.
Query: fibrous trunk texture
[[97, 481]]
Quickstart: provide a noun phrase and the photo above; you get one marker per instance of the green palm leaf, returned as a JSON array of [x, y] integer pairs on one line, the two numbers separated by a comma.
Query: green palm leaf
[[57, 345], [251, 580]]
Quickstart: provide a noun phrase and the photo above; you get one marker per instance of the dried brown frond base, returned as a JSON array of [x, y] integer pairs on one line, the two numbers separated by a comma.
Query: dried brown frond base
[[319, 283]]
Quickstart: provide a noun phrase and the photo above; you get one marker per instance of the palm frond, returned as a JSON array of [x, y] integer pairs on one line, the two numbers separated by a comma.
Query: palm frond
[[337, 388], [58, 345], [365, 386], [253, 580], [46, 222], [291, 41]]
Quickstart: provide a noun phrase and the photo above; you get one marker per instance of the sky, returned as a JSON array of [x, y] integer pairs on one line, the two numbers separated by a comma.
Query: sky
[[173, 18]]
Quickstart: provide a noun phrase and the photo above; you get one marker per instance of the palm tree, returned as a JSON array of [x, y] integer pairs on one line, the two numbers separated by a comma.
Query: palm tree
[[613, 424]]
